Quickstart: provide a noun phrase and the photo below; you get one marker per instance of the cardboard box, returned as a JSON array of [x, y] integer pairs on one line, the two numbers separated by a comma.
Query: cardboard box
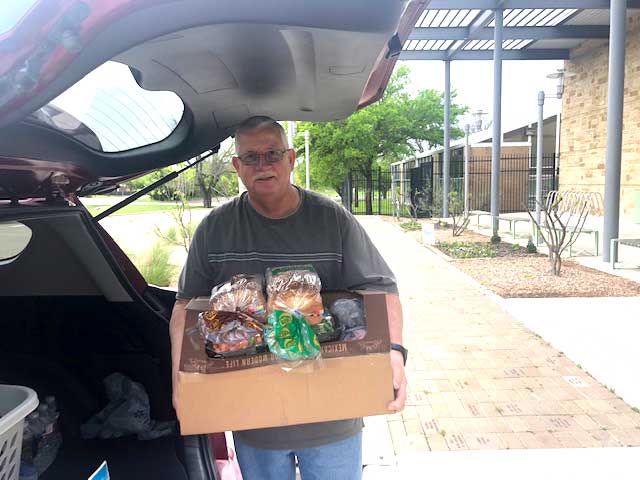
[[353, 379]]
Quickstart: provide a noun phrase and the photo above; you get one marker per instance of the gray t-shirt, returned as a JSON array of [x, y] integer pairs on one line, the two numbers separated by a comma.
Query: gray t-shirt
[[235, 238]]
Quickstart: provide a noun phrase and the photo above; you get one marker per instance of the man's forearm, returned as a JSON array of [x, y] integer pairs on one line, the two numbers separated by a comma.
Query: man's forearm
[[394, 311]]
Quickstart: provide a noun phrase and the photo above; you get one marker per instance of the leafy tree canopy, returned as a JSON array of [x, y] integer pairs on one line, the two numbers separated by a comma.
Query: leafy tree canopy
[[394, 127]]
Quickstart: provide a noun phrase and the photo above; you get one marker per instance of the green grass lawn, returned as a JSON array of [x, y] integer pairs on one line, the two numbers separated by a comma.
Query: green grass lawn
[[134, 208], [327, 192], [384, 207]]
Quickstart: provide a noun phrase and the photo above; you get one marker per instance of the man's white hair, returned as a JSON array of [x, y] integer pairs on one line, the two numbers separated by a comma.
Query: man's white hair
[[260, 122]]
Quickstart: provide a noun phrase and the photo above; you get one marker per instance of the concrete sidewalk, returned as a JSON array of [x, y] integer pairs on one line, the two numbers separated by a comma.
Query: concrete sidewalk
[[567, 463], [600, 334], [478, 378]]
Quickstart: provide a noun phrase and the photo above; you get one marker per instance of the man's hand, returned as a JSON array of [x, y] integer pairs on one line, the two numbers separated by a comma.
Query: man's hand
[[399, 382]]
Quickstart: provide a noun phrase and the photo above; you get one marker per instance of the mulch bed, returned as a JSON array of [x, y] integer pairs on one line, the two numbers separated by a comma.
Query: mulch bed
[[529, 277], [518, 274]]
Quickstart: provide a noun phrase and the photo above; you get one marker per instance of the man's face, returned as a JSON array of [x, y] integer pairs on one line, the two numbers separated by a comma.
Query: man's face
[[264, 180]]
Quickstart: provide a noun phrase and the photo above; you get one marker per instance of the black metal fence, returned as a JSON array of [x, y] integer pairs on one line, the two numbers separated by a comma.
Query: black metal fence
[[415, 188], [369, 194]]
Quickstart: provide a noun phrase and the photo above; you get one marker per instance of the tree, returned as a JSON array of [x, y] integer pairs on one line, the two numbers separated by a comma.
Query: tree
[[563, 216], [376, 136], [164, 192], [209, 172], [460, 218], [213, 177], [183, 228]]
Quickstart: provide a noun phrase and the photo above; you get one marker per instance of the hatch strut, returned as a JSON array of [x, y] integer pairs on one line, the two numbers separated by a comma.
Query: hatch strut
[[145, 190]]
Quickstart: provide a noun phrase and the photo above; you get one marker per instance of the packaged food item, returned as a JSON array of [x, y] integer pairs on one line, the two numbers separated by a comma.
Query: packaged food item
[[326, 330], [242, 293], [295, 288], [230, 333], [233, 325], [290, 337], [349, 315]]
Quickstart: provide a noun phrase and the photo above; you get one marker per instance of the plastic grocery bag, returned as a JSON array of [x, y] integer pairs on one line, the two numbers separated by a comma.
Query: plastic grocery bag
[[229, 469], [349, 315], [126, 413]]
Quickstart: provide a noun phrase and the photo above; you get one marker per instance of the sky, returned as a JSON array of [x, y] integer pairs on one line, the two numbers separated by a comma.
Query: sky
[[121, 114], [473, 81]]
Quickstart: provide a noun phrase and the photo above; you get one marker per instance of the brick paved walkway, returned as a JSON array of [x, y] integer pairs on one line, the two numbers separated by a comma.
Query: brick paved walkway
[[478, 378]]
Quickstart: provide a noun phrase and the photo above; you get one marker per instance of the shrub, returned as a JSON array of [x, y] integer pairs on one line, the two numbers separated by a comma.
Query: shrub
[[563, 216], [459, 217], [183, 228], [171, 235], [411, 226], [154, 265], [469, 249]]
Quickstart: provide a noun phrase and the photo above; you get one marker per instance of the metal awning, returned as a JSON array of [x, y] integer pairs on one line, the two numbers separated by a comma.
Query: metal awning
[[533, 29], [501, 30]]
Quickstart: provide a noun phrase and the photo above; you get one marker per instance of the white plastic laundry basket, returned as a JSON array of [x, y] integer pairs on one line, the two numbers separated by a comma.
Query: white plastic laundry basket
[[15, 404]]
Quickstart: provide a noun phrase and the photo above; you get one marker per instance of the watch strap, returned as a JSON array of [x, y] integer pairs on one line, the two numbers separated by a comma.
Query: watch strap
[[399, 348]]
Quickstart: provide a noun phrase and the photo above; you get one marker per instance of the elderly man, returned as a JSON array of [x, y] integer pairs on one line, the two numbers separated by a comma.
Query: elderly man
[[276, 223]]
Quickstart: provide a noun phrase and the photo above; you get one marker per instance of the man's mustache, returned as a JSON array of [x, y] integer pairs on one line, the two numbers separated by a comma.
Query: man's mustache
[[264, 175]]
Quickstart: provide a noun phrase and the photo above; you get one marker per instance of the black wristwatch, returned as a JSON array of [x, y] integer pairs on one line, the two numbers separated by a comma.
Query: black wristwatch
[[399, 348]]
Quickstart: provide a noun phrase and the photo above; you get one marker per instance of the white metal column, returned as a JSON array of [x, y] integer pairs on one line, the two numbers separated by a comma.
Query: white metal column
[[447, 140], [615, 110], [497, 121], [306, 159], [539, 152], [466, 170]]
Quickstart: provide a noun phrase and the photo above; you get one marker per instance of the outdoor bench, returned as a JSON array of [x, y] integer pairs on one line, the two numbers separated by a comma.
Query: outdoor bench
[[588, 231], [513, 221], [596, 236], [613, 252]]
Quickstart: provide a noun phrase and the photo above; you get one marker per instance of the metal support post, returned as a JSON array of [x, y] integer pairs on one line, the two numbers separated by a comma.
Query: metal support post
[[349, 199], [379, 191], [290, 127], [306, 159], [539, 151], [447, 139], [497, 121], [614, 124], [556, 149], [467, 129], [393, 194]]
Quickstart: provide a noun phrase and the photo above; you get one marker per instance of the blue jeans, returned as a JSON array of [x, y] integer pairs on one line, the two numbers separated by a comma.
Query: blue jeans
[[335, 461]]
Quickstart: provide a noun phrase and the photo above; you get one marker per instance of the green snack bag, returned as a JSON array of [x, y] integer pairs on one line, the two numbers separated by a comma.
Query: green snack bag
[[290, 337], [324, 327]]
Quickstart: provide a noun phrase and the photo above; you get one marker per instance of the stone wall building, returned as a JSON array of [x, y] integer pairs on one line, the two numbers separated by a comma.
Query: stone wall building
[[583, 136]]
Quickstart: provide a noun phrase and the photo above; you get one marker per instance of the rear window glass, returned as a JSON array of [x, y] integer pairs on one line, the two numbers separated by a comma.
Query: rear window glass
[[12, 11], [108, 111], [14, 238]]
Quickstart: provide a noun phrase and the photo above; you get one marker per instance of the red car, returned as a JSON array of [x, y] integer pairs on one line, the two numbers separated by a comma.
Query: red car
[[96, 92]]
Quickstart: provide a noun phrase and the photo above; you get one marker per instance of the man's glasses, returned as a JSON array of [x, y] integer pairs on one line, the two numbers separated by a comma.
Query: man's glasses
[[271, 156]]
